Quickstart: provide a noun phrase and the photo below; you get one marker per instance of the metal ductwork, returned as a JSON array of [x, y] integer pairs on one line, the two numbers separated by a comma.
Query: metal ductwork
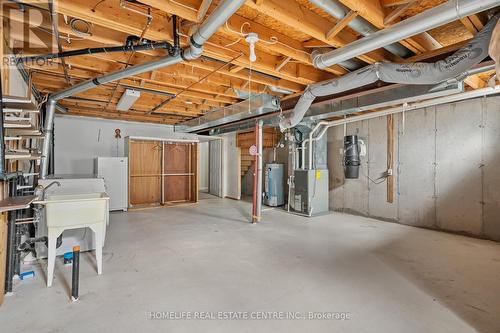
[[195, 48], [253, 107], [359, 24], [430, 19], [410, 73]]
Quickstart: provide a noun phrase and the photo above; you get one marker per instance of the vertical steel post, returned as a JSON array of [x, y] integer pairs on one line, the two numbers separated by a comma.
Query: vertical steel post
[[258, 173], [255, 163]]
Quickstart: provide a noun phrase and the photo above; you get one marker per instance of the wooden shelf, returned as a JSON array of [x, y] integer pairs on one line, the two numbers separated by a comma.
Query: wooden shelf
[[16, 203]]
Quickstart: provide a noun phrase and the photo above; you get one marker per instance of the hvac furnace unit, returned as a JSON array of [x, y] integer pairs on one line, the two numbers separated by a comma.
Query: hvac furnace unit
[[273, 188], [311, 191]]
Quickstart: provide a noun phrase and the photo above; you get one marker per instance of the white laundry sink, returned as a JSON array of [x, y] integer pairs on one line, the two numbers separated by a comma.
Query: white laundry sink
[[73, 210]]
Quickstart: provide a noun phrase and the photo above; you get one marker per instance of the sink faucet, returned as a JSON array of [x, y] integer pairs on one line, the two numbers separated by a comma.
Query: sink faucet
[[44, 189]]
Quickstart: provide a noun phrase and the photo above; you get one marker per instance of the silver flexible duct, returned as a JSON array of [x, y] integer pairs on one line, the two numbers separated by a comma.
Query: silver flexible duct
[[359, 24], [218, 17], [411, 73], [447, 12]]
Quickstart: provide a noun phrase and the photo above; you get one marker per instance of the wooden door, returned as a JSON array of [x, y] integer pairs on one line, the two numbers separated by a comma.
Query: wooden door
[[144, 172], [180, 181]]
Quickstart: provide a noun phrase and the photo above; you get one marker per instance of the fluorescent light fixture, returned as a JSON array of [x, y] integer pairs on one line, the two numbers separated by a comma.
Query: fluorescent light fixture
[[188, 102], [280, 90], [128, 99]]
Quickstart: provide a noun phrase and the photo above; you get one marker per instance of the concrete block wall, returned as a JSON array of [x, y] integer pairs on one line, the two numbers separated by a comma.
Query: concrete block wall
[[446, 172]]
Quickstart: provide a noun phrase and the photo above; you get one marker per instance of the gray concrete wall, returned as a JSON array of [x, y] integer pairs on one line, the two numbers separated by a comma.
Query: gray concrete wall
[[446, 172]]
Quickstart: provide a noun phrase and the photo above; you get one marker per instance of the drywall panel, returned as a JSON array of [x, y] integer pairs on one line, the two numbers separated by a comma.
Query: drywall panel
[[356, 190], [203, 166], [490, 169], [215, 162], [415, 168], [458, 167], [78, 140], [377, 167], [231, 167]]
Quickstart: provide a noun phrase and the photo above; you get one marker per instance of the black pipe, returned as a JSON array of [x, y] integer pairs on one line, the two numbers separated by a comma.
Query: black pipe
[[95, 50], [11, 249], [177, 43], [75, 273], [17, 242], [2, 131]]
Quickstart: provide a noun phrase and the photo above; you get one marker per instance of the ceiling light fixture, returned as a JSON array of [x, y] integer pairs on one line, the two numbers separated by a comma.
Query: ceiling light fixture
[[128, 99]]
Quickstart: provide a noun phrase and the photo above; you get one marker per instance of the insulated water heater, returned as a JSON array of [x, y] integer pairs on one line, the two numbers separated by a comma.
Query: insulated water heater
[[273, 186]]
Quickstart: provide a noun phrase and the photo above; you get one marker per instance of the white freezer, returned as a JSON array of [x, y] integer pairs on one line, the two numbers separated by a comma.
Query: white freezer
[[114, 171]]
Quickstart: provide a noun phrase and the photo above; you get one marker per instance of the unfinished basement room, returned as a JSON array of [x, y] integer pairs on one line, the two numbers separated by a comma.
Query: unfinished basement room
[[250, 166]]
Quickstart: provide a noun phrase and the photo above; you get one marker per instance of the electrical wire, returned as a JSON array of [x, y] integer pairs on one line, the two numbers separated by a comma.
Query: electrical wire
[[165, 102], [84, 34], [149, 20], [378, 180]]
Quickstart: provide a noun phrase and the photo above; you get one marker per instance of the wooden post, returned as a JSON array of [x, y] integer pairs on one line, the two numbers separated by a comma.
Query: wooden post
[[390, 158]]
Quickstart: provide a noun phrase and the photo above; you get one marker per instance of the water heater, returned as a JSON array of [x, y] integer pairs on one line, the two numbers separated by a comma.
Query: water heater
[[273, 186]]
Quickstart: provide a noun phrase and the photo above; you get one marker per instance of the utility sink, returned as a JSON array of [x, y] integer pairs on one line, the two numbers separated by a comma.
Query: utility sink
[[64, 210], [73, 211]]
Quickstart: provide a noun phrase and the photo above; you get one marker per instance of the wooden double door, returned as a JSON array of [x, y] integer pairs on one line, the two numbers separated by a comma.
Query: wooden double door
[[162, 172]]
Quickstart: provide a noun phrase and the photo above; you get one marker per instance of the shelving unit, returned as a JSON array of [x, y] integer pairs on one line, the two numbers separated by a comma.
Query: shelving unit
[[161, 171]]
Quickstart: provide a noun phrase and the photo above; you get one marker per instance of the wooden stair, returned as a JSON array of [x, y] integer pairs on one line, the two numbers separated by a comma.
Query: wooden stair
[[21, 123], [270, 138], [18, 105]]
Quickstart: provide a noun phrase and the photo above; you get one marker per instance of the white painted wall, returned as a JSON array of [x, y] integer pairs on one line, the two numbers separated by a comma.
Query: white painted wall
[[78, 140], [203, 169], [231, 167]]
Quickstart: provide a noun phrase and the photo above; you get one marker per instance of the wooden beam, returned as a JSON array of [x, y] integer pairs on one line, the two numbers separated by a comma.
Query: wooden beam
[[467, 23], [298, 17], [476, 20], [174, 8], [235, 68], [128, 25], [397, 12], [314, 43], [202, 10], [370, 10], [283, 62], [391, 3], [341, 24], [436, 52]]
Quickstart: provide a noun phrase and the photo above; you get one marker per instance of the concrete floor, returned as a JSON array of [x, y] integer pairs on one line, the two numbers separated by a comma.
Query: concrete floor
[[206, 257]]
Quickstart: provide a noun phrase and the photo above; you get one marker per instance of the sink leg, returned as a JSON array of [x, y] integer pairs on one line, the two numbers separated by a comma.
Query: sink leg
[[98, 247], [51, 256]]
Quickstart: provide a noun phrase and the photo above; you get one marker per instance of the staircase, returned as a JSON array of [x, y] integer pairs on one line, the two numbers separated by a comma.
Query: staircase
[[23, 140], [270, 138], [22, 129]]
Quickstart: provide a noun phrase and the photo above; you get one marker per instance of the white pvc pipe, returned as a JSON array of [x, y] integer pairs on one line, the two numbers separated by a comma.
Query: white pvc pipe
[[413, 106]]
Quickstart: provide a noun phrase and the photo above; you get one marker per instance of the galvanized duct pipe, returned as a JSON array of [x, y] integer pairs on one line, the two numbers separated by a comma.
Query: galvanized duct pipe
[[410, 73], [218, 17], [430, 19], [359, 24]]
